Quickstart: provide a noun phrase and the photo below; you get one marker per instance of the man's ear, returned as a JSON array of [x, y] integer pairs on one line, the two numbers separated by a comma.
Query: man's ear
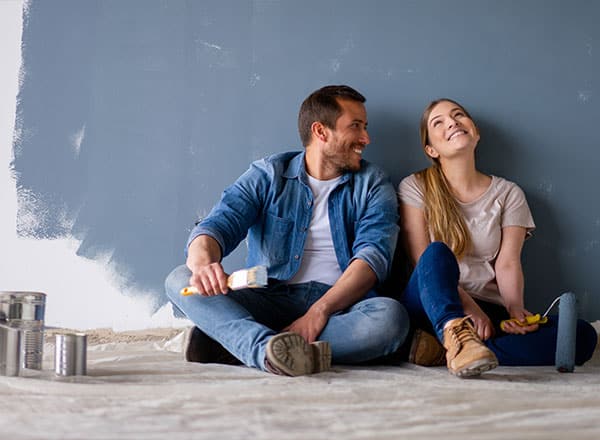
[[319, 131], [430, 151]]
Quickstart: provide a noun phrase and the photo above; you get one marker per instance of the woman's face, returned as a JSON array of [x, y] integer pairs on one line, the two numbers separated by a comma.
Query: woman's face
[[450, 131]]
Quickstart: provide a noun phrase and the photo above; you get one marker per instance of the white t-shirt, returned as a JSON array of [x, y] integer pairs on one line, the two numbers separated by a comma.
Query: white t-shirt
[[319, 262], [502, 204]]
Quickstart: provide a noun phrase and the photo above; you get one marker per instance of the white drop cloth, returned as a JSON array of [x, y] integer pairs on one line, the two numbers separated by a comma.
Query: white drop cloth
[[141, 389]]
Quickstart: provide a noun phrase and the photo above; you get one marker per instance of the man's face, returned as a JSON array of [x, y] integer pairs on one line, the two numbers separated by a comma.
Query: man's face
[[345, 144]]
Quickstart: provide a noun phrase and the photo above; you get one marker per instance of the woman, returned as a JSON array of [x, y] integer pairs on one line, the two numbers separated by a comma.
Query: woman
[[451, 211]]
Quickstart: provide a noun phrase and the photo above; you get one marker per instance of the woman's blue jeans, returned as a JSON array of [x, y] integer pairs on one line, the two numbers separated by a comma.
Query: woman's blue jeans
[[431, 298], [244, 320]]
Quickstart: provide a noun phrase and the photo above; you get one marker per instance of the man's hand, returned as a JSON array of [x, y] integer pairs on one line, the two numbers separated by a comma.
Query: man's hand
[[356, 280], [310, 325], [210, 279], [204, 260]]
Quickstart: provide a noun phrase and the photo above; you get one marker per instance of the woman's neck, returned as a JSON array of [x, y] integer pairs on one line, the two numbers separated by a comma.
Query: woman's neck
[[465, 181]]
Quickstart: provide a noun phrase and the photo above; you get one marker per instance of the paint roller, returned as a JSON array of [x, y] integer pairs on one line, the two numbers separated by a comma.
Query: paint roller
[[564, 359], [567, 333]]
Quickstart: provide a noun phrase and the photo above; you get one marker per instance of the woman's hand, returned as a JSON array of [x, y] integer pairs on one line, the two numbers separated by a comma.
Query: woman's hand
[[519, 313], [482, 323]]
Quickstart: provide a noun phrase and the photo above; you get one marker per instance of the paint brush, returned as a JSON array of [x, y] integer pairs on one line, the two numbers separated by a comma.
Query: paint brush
[[240, 279]]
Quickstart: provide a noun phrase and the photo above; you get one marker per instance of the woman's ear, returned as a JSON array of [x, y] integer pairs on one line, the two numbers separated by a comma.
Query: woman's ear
[[319, 131], [430, 151]]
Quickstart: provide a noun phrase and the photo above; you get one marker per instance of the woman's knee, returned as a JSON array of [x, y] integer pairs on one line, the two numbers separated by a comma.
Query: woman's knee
[[438, 256], [438, 250], [177, 280], [586, 341]]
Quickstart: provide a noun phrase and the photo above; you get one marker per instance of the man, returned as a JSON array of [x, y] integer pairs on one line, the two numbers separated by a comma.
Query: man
[[324, 222]]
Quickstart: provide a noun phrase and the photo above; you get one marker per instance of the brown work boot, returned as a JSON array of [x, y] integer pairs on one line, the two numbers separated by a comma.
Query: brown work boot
[[466, 355], [426, 350], [288, 354], [198, 347]]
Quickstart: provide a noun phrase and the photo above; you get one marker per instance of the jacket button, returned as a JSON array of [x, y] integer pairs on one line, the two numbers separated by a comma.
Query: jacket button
[[296, 257]]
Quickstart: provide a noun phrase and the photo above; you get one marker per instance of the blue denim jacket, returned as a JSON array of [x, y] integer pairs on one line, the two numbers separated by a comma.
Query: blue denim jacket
[[272, 203]]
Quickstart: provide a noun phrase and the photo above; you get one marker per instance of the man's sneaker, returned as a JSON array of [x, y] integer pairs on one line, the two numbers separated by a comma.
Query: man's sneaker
[[288, 354], [466, 355], [426, 350], [198, 347]]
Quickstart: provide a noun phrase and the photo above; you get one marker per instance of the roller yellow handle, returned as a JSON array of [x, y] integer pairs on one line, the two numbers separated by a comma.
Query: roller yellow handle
[[529, 320]]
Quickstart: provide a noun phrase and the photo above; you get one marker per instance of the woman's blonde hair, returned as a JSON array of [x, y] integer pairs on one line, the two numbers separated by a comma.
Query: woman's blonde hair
[[442, 213]]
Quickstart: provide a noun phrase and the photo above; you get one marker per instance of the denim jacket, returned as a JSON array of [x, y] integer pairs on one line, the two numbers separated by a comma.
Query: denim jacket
[[271, 204]]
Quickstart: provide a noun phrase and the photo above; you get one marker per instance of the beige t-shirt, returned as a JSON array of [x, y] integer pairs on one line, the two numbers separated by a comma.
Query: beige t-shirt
[[502, 204]]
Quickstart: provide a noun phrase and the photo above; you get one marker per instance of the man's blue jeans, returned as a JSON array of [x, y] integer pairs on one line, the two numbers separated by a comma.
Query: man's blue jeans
[[431, 298], [244, 320]]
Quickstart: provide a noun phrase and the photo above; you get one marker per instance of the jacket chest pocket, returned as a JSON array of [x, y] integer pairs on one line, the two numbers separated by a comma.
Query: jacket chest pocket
[[277, 238]]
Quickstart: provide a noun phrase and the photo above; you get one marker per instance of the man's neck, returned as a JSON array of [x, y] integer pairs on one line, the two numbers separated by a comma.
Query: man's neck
[[316, 167]]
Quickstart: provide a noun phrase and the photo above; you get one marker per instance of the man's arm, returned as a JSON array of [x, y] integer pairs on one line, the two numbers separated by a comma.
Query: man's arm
[[222, 230], [238, 208], [376, 231], [204, 260], [354, 283]]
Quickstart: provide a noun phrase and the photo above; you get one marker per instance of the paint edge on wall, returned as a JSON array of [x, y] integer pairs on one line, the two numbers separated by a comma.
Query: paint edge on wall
[[82, 293]]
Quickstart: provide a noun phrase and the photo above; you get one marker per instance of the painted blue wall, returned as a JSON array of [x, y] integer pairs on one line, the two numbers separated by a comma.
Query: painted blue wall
[[172, 99]]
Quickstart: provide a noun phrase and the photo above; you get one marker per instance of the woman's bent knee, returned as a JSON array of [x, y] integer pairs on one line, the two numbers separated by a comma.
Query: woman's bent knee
[[439, 258], [437, 251]]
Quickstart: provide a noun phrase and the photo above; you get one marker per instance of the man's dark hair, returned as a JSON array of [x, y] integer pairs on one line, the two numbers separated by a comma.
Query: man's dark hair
[[322, 106]]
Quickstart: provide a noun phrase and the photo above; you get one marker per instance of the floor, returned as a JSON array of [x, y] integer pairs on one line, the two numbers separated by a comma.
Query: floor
[[138, 387]]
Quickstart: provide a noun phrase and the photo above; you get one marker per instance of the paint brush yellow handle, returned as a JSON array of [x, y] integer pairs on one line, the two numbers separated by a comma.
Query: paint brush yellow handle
[[187, 291], [254, 277]]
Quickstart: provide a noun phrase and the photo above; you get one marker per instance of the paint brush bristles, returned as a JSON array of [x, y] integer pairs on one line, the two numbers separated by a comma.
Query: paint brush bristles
[[254, 277]]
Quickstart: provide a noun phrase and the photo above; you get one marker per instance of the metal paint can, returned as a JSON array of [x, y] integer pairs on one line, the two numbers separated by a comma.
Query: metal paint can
[[24, 311], [11, 350], [70, 354]]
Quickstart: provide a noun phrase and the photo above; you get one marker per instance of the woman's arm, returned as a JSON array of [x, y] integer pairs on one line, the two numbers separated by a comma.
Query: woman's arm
[[414, 231], [509, 276]]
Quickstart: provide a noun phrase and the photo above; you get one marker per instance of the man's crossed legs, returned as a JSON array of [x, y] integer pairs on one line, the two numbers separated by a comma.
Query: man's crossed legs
[[246, 321]]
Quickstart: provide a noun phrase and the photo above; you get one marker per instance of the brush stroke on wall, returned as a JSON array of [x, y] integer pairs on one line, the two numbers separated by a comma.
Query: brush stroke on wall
[[133, 116]]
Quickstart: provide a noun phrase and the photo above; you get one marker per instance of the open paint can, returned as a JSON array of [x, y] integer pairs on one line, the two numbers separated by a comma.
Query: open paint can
[[22, 319]]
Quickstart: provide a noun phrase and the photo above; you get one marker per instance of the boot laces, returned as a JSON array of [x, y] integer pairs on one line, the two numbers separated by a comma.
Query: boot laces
[[464, 331]]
